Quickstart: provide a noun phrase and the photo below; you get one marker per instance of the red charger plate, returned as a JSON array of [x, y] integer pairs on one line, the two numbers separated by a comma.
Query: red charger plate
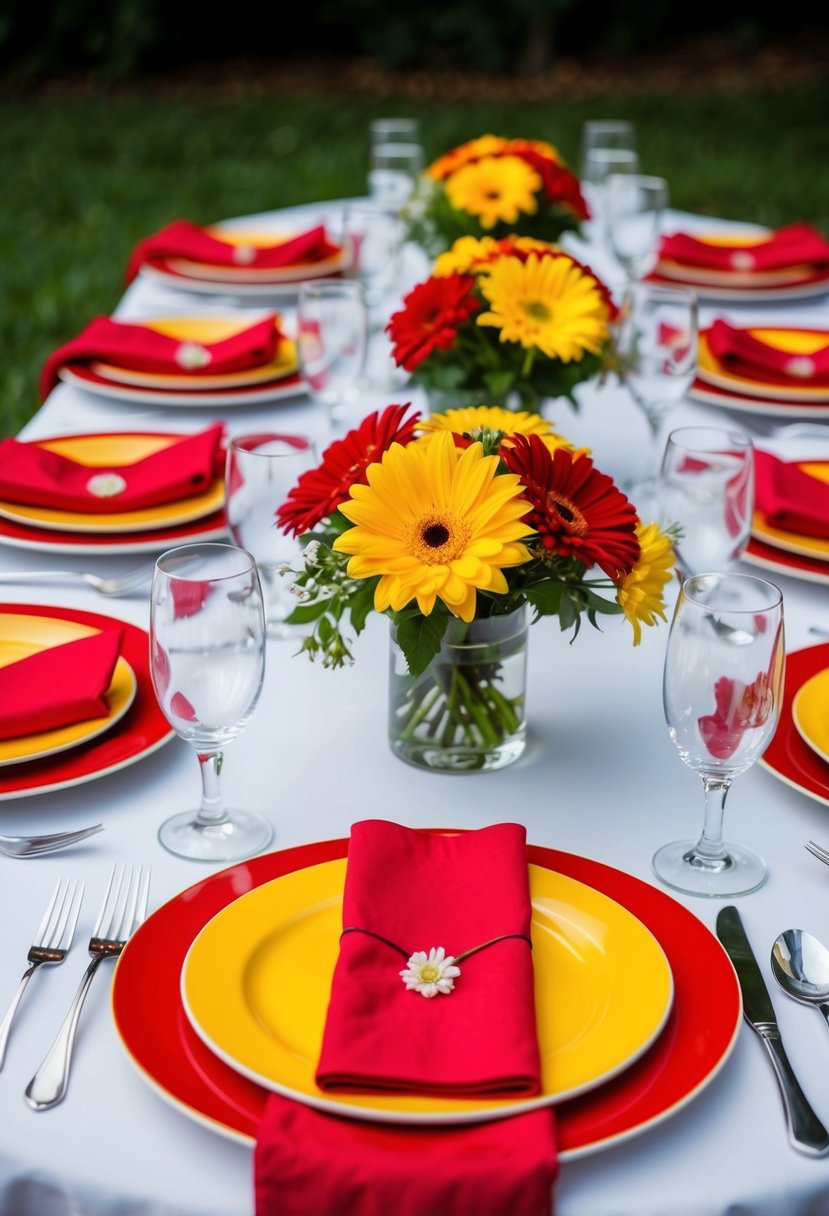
[[141, 731], [698, 1036], [758, 553], [788, 756]]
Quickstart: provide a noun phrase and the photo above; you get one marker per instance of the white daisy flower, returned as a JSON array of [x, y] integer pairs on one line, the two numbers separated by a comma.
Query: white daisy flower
[[430, 973]]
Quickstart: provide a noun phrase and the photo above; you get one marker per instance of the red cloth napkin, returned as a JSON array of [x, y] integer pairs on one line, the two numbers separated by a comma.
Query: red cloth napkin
[[789, 498], [744, 354], [33, 475], [184, 239], [143, 349], [795, 245], [307, 1163], [58, 686], [421, 890]]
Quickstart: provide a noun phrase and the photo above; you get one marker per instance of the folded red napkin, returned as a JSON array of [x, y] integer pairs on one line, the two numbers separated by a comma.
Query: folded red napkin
[[795, 245], [184, 239], [35, 476], [789, 498], [740, 352], [307, 1163], [144, 349], [408, 891], [58, 686]]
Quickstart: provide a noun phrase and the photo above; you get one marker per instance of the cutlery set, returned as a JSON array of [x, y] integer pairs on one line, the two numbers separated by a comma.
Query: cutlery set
[[123, 909], [800, 964]]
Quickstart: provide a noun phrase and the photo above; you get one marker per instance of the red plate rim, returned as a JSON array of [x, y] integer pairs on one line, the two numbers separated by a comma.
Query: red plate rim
[[789, 756]]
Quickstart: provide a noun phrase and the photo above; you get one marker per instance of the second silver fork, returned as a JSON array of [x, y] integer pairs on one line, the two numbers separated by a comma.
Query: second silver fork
[[818, 851], [123, 909]]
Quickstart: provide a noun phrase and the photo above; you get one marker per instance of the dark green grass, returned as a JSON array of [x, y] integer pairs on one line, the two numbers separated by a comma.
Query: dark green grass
[[83, 181]]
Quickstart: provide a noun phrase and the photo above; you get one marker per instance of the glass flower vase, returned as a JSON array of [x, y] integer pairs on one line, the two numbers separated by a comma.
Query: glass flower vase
[[466, 711]]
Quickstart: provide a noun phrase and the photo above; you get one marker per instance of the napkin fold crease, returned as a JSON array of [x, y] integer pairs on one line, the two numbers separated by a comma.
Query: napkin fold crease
[[32, 475], [58, 686]]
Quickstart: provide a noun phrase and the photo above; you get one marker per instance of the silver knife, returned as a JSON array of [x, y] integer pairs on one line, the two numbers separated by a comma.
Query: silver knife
[[806, 1132]]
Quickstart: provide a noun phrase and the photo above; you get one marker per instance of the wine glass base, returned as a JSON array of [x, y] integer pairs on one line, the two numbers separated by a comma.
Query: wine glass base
[[681, 867], [238, 836]]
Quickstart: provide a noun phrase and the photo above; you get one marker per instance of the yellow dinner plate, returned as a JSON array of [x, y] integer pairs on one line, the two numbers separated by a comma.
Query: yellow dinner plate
[[793, 542], [810, 713], [204, 330], [101, 451], [792, 341], [22, 635], [713, 276], [256, 982]]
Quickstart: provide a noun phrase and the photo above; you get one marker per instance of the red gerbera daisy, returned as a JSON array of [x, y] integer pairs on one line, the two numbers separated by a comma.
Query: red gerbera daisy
[[430, 318], [319, 491], [560, 185], [576, 510]]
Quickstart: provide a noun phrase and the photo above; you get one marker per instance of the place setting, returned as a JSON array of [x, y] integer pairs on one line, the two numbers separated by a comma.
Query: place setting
[[78, 698], [272, 1050], [181, 361], [112, 492], [238, 258], [764, 265]]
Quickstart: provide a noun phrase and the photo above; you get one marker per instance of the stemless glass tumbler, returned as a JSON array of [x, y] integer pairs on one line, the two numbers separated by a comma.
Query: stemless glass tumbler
[[207, 663], [723, 683]]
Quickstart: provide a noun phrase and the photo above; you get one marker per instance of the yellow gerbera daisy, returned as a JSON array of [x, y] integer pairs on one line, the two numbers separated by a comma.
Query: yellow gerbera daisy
[[640, 593], [465, 255], [464, 154], [549, 303], [496, 189], [467, 420], [435, 521]]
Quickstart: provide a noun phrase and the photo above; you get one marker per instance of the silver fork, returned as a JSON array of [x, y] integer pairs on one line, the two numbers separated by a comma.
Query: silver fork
[[50, 945], [33, 846], [122, 911], [818, 851], [121, 584]]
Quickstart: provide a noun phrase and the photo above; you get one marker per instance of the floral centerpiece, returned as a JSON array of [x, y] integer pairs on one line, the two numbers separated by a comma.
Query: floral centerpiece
[[514, 321], [459, 527], [491, 186]]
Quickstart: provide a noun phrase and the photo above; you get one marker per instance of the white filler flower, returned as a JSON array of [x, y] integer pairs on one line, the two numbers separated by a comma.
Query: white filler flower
[[430, 973]]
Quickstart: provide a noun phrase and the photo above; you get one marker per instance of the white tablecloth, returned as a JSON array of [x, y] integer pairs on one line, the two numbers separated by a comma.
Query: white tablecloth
[[600, 777]]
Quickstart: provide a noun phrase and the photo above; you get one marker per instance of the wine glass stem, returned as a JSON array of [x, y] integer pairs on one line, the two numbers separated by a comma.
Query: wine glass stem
[[710, 847], [212, 810]]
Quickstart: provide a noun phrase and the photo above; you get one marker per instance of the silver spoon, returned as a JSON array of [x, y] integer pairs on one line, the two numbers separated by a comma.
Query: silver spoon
[[800, 964]]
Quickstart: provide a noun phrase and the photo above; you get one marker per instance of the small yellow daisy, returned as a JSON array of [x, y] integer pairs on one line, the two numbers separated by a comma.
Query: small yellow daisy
[[640, 593]]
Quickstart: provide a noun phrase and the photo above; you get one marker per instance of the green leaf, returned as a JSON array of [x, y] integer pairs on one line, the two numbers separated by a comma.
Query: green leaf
[[545, 598], [361, 603], [419, 638], [305, 613]]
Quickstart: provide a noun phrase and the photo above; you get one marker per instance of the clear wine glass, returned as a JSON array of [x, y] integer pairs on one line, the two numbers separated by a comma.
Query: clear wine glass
[[599, 163], [706, 489], [655, 340], [207, 663], [259, 471], [332, 340], [723, 683], [634, 205]]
